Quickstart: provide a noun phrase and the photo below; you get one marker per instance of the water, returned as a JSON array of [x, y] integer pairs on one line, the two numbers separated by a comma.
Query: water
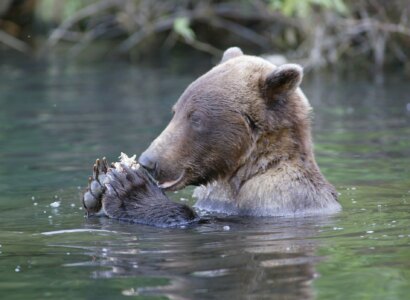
[[55, 119]]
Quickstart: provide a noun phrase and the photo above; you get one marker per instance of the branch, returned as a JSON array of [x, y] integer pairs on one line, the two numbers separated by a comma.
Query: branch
[[87, 11], [139, 35], [239, 30], [13, 42]]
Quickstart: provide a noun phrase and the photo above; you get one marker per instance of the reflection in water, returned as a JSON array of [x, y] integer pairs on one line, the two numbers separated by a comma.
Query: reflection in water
[[256, 258], [74, 231]]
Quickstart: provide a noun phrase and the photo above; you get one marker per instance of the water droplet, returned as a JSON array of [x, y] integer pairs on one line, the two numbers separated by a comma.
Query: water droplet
[[33, 198], [130, 292], [226, 228], [35, 203], [369, 231], [55, 204], [72, 204], [50, 217], [17, 269]]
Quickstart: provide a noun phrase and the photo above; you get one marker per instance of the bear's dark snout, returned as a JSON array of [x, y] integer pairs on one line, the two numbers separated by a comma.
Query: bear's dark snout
[[148, 161]]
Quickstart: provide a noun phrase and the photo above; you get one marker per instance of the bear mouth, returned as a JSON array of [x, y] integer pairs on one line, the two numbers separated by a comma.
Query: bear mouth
[[173, 184]]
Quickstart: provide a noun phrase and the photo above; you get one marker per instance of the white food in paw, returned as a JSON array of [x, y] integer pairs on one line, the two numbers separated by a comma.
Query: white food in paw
[[130, 162]]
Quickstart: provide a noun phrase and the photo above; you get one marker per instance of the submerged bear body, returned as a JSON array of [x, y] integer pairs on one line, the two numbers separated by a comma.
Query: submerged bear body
[[241, 132]]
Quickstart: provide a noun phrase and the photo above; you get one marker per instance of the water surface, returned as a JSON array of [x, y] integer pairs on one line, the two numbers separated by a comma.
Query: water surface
[[55, 119]]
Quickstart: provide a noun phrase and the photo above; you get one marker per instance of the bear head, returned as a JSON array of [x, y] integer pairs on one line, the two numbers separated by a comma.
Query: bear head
[[231, 123]]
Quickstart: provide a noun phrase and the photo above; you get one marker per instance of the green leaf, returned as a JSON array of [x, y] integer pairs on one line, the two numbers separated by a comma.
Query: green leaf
[[181, 27], [340, 7], [304, 8]]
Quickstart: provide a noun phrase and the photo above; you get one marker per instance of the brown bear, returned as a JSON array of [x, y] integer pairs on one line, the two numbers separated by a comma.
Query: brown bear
[[242, 133]]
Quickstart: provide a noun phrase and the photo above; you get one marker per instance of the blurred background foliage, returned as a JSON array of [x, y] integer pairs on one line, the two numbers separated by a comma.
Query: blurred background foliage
[[316, 33]]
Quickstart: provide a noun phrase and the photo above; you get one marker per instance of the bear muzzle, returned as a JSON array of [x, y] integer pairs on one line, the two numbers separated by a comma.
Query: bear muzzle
[[163, 180]]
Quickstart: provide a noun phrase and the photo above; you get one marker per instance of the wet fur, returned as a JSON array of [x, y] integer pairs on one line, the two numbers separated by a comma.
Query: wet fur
[[131, 196]]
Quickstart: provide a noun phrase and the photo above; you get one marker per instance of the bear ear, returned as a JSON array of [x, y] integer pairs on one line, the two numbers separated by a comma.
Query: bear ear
[[231, 53], [284, 80]]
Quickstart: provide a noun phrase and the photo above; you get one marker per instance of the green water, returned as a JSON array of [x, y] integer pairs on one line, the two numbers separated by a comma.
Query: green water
[[55, 119]]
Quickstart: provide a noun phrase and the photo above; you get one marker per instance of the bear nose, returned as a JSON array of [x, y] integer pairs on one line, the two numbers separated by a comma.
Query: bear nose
[[147, 161]]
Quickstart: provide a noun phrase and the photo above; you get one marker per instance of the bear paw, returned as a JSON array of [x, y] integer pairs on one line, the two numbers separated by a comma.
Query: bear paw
[[125, 191], [92, 199]]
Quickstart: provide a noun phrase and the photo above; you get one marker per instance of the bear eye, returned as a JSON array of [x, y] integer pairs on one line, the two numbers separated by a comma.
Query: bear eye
[[196, 120], [251, 122]]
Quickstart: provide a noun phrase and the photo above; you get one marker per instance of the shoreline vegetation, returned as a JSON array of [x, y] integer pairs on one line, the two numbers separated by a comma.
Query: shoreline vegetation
[[373, 34]]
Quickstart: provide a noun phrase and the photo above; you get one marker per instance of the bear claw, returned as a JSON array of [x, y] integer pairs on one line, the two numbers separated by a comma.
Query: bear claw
[[104, 165]]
